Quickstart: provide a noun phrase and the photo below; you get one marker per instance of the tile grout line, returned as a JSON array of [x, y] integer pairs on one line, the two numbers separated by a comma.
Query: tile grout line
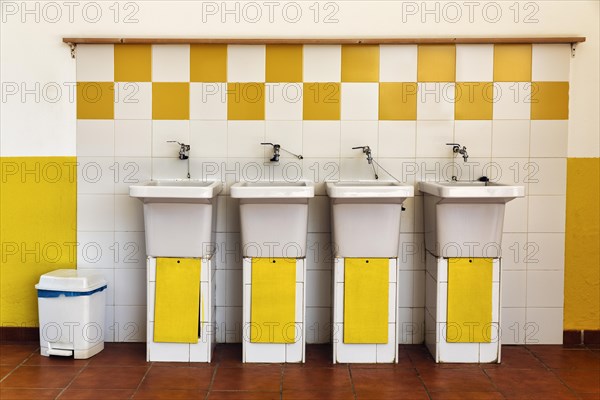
[[351, 381], [22, 363], [141, 380], [553, 373], [212, 379], [72, 380]]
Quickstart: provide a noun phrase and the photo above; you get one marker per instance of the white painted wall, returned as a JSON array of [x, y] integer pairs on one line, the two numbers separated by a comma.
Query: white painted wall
[[33, 57]]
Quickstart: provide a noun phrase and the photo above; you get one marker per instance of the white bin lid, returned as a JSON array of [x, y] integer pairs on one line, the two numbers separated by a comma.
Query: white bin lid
[[70, 280]]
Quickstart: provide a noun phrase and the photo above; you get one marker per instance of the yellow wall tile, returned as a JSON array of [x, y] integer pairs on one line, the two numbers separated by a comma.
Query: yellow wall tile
[[512, 63], [170, 100], [474, 100], [38, 210], [321, 101], [245, 101], [360, 63], [95, 100], [208, 63], [133, 63], [436, 63], [550, 100], [397, 101], [284, 63]]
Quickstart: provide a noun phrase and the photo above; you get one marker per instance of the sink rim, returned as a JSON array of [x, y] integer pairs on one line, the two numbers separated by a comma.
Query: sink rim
[[276, 189], [205, 189], [369, 189], [471, 189]]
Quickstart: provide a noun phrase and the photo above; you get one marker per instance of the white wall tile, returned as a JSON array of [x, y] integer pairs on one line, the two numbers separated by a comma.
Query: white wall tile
[[208, 101], [129, 215], [476, 136], [544, 325], [133, 100], [474, 62], [546, 251], [514, 250], [130, 287], [318, 214], [244, 139], [171, 63], [95, 63], [318, 288], [550, 62], [133, 138], [406, 288], [358, 169], [322, 63], [95, 175], [95, 138], [164, 131], [514, 288], [129, 171], [432, 137], [283, 101], [545, 288], [397, 63], [512, 100], [510, 138], [515, 215], [319, 251], [95, 250], [321, 139], [246, 63], [109, 323], [513, 325], [233, 281], [360, 101], [359, 133], [168, 168], [95, 212], [318, 325], [129, 250], [549, 138], [130, 323], [435, 101], [208, 138], [549, 176], [397, 139], [546, 214]]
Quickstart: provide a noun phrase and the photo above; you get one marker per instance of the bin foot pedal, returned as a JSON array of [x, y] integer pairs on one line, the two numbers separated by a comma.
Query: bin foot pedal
[[60, 352]]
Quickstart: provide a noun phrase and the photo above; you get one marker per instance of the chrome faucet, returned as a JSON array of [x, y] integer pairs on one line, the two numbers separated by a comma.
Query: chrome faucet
[[367, 151], [457, 149], [184, 153], [276, 150]]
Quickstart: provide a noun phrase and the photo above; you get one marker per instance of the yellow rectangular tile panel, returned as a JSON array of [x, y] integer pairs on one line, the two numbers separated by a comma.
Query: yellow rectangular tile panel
[[321, 101], [366, 297], [208, 63], [284, 63], [398, 101], [38, 227], [245, 101], [474, 100], [95, 100], [360, 63], [512, 62], [273, 300], [177, 300], [170, 100], [550, 100], [436, 63], [469, 314], [133, 63]]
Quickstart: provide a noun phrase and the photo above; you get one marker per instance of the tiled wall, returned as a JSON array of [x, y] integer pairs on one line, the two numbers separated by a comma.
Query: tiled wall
[[507, 103]]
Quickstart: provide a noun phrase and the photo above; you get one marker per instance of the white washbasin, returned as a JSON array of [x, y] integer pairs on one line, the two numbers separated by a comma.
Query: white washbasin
[[179, 216], [273, 217], [365, 217], [465, 218]]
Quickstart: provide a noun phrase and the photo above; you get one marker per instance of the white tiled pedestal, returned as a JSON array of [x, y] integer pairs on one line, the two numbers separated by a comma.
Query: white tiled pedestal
[[363, 353], [436, 301], [275, 352], [185, 352]]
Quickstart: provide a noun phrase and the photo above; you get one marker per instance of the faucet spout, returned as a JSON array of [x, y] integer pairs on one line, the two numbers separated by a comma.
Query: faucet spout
[[184, 153]]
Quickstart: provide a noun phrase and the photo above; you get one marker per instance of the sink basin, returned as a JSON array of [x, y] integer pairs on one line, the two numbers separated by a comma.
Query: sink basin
[[273, 217], [465, 218], [179, 216], [366, 217]]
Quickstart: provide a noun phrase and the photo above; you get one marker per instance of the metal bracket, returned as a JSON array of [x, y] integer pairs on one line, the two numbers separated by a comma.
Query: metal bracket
[[573, 45], [72, 46]]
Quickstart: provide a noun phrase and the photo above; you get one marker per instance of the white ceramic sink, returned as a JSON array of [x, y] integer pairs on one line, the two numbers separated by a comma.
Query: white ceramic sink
[[273, 217], [365, 217], [465, 218], [179, 216]]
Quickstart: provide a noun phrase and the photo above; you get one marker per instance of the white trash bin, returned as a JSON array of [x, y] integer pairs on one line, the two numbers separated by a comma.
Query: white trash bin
[[71, 310]]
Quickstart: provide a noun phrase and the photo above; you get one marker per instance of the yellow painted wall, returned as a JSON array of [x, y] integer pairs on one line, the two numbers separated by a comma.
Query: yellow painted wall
[[38, 229], [582, 252]]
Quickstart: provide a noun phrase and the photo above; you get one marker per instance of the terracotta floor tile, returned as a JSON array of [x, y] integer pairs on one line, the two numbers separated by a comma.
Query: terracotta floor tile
[[561, 358], [121, 354], [228, 354], [29, 394], [581, 381], [5, 370], [96, 394], [516, 357], [187, 378], [455, 380], [380, 395], [109, 377], [419, 355], [385, 380], [36, 377], [542, 396], [524, 382], [243, 395], [169, 394], [54, 361], [14, 354], [317, 378], [466, 396], [251, 378], [324, 394]]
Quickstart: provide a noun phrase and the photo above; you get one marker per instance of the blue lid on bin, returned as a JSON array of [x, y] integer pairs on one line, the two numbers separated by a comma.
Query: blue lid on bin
[[71, 280]]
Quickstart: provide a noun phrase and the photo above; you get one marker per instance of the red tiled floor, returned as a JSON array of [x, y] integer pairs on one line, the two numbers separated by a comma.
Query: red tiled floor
[[516, 357], [565, 358], [323, 394], [381, 394], [243, 395], [109, 378], [523, 382], [169, 394], [36, 377], [5, 370], [260, 378], [15, 354], [316, 379], [587, 381], [29, 394], [185, 378], [38, 359], [466, 396], [95, 394], [385, 380], [456, 380], [121, 354]]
